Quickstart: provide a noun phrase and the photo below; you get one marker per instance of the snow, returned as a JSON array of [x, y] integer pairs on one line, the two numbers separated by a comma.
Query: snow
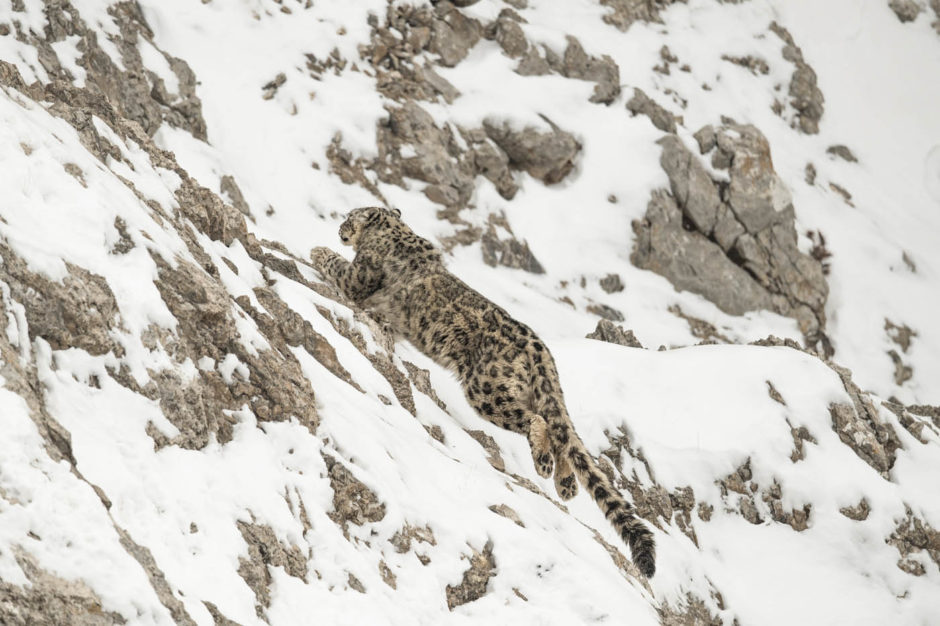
[[696, 412]]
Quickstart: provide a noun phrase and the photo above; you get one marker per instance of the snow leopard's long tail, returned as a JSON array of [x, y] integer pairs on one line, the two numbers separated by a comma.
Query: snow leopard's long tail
[[572, 458], [617, 510]]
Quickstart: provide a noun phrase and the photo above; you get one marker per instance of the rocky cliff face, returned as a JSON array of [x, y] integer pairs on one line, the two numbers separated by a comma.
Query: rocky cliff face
[[196, 429]]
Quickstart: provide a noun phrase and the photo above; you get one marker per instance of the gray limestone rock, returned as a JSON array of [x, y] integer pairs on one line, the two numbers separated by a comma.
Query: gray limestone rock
[[49, 600], [906, 10], [78, 311], [603, 71], [805, 97], [475, 578], [508, 252], [734, 243], [612, 333], [547, 156], [452, 34], [691, 261], [642, 104], [135, 91], [353, 501], [691, 186], [505, 30], [230, 188], [624, 12], [266, 551]]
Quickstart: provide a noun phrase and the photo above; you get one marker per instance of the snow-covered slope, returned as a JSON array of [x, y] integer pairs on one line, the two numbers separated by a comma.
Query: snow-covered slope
[[196, 429]]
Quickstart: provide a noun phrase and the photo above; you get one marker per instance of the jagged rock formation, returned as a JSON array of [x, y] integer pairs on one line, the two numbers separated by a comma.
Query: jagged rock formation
[[735, 242], [805, 97]]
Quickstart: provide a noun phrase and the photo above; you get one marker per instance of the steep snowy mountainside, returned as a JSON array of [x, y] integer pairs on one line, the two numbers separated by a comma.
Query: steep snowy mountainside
[[196, 429]]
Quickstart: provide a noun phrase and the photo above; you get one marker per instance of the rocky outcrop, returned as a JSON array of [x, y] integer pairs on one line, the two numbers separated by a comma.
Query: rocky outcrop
[[353, 501], [623, 13], [859, 424], [448, 158], [475, 578], [805, 97], [78, 311], [548, 156], [50, 601], [906, 10], [264, 552], [137, 91], [642, 104], [612, 333], [734, 243]]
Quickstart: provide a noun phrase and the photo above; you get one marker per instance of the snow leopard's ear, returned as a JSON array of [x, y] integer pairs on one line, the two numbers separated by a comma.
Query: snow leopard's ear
[[396, 212]]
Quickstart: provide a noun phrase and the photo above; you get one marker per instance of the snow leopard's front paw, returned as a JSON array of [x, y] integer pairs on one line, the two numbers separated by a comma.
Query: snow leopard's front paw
[[322, 259]]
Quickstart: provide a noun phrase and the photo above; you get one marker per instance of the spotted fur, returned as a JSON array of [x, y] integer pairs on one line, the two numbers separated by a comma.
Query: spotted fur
[[507, 373]]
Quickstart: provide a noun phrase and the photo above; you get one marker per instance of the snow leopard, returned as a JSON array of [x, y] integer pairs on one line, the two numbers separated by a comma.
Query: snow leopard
[[506, 371]]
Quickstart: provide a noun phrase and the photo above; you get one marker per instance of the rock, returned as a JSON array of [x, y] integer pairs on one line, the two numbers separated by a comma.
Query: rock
[[475, 578], [611, 333], [135, 91], [405, 34], [77, 312], [799, 435], [606, 312], [508, 512], [353, 501], [756, 194], [489, 444], [505, 30], [700, 328], [738, 248], [490, 161], [624, 12], [860, 427], [603, 71], [692, 611], [124, 244], [402, 538], [662, 119], [266, 551], [842, 191], [902, 371], [805, 96], [547, 156], [275, 388], [533, 64], [436, 159], [912, 536], [842, 152], [229, 187], [926, 410], [691, 262], [859, 512], [810, 174], [755, 65], [706, 139], [452, 34], [421, 379], [911, 421], [611, 283], [691, 186], [508, 252], [388, 577], [901, 334], [49, 600], [906, 10]]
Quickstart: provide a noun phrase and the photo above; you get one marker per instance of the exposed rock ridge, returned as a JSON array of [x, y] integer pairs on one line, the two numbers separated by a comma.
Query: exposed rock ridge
[[732, 242]]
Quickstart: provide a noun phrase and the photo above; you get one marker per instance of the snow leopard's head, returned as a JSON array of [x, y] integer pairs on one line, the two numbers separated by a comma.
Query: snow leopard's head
[[360, 219]]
